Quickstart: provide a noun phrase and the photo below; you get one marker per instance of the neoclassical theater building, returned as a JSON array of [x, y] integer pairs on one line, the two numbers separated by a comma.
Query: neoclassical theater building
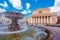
[[42, 16]]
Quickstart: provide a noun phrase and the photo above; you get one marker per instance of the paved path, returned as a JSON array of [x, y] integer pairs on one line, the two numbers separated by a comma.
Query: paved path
[[56, 32]]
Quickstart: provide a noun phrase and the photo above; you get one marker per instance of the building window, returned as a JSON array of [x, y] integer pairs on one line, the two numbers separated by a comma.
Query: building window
[[40, 11]]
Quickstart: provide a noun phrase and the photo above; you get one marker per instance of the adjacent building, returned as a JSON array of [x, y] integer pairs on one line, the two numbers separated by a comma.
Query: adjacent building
[[42, 16]]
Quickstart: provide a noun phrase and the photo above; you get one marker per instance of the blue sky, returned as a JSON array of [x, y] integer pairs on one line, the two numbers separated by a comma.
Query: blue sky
[[26, 6]]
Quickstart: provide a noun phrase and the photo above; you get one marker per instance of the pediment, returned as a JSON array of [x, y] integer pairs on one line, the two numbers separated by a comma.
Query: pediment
[[41, 10]]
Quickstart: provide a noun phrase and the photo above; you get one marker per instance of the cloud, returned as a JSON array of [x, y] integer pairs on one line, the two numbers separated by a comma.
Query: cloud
[[27, 5], [4, 5], [2, 10], [26, 11], [16, 4], [56, 7]]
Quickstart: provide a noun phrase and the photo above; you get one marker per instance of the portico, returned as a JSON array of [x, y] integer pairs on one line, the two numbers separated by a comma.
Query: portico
[[41, 20]]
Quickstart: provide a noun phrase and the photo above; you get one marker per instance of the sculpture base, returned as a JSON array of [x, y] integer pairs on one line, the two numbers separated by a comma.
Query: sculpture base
[[14, 26]]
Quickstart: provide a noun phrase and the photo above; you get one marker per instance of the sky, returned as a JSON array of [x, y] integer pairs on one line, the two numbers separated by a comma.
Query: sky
[[27, 6]]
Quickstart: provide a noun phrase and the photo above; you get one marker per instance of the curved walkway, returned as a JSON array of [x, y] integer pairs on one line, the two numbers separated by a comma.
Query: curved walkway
[[56, 32]]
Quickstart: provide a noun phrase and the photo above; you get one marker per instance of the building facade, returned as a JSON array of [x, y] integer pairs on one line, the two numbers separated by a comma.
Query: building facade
[[42, 16]]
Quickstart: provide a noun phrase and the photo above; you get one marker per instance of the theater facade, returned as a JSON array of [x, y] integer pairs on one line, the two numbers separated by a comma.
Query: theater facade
[[42, 16]]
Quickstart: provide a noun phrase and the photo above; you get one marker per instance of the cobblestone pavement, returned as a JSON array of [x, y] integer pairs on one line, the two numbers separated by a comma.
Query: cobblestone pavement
[[56, 32]]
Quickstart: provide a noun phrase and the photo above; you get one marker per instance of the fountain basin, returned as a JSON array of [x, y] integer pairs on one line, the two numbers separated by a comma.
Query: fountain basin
[[5, 30]]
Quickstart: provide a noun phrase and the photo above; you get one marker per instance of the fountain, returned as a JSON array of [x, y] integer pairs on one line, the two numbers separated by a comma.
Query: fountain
[[17, 29], [14, 17]]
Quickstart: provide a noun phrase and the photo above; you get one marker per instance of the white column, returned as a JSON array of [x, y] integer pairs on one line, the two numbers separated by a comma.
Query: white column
[[31, 20], [51, 19], [44, 20], [36, 19], [39, 20], [47, 19]]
